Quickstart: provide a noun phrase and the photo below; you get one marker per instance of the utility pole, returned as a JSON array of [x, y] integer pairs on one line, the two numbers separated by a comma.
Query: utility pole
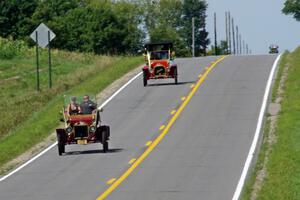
[[233, 36], [244, 47], [247, 49], [240, 44], [229, 32], [216, 43], [226, 25], [237, 40], [193, 36]]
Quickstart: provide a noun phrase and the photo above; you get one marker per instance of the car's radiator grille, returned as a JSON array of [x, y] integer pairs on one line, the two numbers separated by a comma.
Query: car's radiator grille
[[159, 70], [81, 131]]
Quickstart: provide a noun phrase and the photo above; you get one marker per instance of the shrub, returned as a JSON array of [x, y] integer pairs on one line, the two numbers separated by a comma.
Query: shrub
[[10, 49]]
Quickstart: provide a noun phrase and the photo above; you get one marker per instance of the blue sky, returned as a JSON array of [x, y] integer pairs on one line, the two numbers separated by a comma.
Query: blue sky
[[261, 23]]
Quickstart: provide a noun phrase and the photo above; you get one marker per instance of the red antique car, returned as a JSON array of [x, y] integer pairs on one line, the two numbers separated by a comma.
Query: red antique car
[[81, 127], [160, 62]]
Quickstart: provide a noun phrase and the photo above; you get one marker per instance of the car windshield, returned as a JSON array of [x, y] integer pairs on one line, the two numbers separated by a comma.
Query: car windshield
[[273, 46], [78, 99], [159, 55]]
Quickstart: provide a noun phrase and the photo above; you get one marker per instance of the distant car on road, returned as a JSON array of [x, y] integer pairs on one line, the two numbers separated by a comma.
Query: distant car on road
[[81, 128], [160, 62], [274, 49]]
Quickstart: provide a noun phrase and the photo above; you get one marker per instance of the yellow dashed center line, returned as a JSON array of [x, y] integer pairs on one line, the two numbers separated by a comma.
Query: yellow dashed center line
[[132, 161], [148, 143], [162, 127], [173, 112], [153, 144], [110, 181]]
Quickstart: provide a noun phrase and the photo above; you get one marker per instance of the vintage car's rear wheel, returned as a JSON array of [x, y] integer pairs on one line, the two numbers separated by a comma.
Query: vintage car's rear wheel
[[144, 78]]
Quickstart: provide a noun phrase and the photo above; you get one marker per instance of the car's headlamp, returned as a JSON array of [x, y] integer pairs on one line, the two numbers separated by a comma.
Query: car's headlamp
[[69, 129], [92, 129]]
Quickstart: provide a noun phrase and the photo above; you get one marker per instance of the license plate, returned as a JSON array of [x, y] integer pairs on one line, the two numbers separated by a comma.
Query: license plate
[[81, 141]]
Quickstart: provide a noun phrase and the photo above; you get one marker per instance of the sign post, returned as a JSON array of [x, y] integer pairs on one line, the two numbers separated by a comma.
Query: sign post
[[49, 61], [37, 63], [42, 35]]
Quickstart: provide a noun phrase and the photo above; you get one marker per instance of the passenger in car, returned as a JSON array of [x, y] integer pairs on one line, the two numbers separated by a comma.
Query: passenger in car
[[73, 107], [87, 106]]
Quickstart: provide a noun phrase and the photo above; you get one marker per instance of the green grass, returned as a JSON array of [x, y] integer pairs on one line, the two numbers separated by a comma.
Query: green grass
[[283, 168], [18, 97], [30, 116], [282, 63], [265, 145]]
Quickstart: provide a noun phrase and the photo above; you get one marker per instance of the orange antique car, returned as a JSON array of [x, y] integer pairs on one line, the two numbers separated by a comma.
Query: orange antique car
[[160, 62]]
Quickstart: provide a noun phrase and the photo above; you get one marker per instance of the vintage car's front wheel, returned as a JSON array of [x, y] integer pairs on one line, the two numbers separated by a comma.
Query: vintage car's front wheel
[[61, 148], [61, 140], [175, 76], [104, 138]]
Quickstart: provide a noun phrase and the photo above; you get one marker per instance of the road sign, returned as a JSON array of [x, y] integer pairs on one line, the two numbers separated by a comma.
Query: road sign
[[42, 32], [42, 36]]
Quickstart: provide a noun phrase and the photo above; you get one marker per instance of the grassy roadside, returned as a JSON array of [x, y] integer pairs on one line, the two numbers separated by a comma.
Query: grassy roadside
[[42, 122], [18, 96], [282, 179], [248, 188]]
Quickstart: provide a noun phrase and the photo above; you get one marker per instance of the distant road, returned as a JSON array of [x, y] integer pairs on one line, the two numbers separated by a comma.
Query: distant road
[[200, 157]]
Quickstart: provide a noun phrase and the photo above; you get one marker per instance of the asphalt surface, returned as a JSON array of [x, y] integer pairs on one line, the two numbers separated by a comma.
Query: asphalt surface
[[201, 157]]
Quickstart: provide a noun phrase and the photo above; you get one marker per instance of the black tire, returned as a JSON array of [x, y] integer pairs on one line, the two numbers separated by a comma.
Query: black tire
[[175, 76], [61, 139], [61, 148], [105, 135], [145, 78], [105, 147]]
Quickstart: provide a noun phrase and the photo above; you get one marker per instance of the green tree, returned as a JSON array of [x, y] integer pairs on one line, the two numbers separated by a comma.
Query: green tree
[[221, 49], [52, 13], [103, 27], [164, 23], [195, 9], [292, 7], [130, 17], [15, 17]]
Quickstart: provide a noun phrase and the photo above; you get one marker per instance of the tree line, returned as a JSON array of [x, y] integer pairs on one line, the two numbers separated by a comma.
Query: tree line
[[292, 7], [111, 27]]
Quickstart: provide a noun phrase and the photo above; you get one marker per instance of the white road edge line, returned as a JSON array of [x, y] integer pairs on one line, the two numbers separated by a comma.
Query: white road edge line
[[55, 143], [241, 182]]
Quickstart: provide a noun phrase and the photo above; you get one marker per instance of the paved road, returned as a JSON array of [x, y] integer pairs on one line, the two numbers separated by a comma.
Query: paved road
[[201, 157]]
